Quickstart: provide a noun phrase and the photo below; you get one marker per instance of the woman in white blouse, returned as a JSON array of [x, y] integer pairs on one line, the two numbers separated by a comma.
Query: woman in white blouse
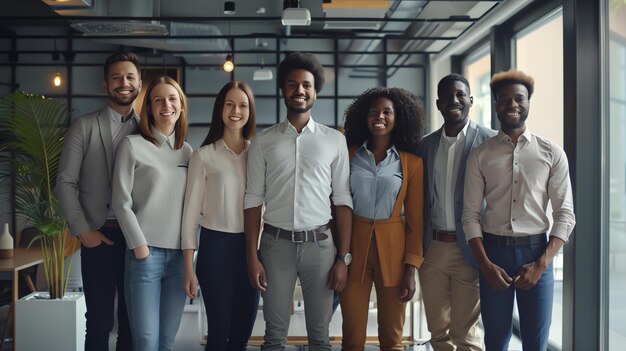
[[214, 200], [148, 192]]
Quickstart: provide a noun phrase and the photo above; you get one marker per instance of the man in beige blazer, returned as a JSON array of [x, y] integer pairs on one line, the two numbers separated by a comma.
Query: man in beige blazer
[[84, 191]]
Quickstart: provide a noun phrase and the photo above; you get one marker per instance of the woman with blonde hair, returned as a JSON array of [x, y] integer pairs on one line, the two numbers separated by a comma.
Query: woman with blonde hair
[[148, 191]]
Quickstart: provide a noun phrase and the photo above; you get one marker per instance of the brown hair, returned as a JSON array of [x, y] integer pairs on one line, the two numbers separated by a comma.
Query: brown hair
[[147, 119], [511, 77], [121, 56], [217, 123]]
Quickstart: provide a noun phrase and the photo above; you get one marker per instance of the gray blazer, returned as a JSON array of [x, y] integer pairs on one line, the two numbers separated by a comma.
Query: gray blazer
[[427, 149], [84, 178]]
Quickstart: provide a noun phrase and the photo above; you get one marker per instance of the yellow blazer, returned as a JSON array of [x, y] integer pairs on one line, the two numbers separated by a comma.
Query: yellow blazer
[[398, 239]]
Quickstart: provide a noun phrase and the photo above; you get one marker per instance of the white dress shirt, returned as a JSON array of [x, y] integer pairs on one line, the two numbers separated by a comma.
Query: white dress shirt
[[216, 183], [295, 174], [447, 160], [516, 182], [148, 190]]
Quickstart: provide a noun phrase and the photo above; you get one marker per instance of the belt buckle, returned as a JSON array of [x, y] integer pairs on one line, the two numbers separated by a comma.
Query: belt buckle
[[293, 238]]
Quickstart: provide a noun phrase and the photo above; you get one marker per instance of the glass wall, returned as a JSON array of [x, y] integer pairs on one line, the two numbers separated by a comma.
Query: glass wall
[[617, 175], [477, 70], [546, 113]]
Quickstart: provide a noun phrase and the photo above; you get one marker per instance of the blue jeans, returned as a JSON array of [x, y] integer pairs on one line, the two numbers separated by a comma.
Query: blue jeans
[[231, 302], [103, 276], [534, 305], [155, 298]]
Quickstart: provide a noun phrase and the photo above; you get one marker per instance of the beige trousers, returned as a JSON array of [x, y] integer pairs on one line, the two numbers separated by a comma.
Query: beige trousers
[[451, 298]]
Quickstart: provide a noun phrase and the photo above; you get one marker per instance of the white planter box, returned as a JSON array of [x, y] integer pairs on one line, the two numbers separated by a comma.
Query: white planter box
[[44, 324]]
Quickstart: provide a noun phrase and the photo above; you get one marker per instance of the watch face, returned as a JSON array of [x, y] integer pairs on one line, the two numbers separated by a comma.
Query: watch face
[[347, 258]]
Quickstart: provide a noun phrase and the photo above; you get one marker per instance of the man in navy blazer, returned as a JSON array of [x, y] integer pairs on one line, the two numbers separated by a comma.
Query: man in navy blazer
[[84, 191], [449, 275]]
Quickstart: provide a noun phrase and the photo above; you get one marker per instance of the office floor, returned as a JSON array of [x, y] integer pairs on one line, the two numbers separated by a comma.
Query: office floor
[[188, 337]]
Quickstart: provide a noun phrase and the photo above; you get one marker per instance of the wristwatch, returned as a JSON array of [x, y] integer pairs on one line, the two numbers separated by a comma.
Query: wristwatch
[[347, 258]]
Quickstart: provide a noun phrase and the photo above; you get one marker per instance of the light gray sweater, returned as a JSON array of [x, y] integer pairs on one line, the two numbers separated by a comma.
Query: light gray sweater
[[149, 189]]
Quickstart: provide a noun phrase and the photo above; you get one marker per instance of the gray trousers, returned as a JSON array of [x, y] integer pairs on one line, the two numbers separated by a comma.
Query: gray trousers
[[284, 261]]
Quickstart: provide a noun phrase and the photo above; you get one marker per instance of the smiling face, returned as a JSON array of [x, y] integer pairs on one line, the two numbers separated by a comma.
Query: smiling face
[[165, 107], [512, 106], [122, 84], [454, 102], [381, 117], [236, 109], [299, 91]]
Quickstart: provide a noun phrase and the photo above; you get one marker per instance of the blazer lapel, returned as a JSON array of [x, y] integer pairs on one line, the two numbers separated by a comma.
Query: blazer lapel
[[397, 206], [470, 139], [104, 125], [430, 163]]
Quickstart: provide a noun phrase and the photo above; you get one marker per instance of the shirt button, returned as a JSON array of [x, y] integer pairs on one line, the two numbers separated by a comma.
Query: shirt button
[[108, 205], [513, 219], [514, 200], [516, 182]]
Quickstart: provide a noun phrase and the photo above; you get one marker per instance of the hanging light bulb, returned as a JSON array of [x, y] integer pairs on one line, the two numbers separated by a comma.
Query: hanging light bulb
[[56, 80], [229, 65]]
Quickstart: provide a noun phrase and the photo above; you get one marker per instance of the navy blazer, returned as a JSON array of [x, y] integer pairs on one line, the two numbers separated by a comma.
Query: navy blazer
[[427, 150]]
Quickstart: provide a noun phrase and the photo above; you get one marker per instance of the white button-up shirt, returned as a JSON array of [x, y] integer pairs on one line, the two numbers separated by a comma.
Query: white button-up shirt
[[516, 182], [447, 159], [216, 183], [294, 174]]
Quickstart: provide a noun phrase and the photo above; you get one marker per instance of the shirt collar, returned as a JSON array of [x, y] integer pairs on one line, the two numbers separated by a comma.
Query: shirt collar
[[286, 126], [222, 144], [392, 149], [114, 115], [526, 136], [459, 136], [160, 138]]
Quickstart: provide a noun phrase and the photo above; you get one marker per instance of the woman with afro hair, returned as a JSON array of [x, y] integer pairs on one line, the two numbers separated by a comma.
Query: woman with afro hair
[[382, 127]]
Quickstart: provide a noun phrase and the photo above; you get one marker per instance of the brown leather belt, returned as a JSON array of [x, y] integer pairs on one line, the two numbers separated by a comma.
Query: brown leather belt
[[315, 234], [111, 223], [442, 235]]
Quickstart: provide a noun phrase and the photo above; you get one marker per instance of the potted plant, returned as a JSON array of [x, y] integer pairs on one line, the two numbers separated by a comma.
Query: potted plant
[[31, 139]]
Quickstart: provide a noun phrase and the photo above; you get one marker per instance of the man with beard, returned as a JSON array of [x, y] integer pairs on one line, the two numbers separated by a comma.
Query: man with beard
[[84, 191], [295, 169], [449, 275], [516, 173]]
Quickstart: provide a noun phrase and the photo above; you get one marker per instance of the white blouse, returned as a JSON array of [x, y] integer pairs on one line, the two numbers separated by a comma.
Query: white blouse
[[216, 184]]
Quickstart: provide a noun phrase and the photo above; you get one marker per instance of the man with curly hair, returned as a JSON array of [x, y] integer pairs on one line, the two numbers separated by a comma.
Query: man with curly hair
[[449, 275], [295, 169], [516, 174]]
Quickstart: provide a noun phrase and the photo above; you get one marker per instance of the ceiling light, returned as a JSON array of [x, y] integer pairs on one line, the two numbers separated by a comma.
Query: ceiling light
[[296, 17], [229, 7], [229, 65], [56, 80], [263, 74]]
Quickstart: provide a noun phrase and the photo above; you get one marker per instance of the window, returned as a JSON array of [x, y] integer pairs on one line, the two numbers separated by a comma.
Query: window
[[539, 53], [477, 70], [617, 177]]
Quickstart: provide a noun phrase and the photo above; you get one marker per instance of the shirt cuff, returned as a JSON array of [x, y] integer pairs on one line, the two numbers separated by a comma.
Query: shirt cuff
[[472, 230], [251, 201], [343, 200], [561, 231]]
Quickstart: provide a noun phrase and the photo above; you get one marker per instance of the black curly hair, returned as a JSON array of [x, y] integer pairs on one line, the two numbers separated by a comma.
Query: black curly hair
[[409, 117], [305, 61]]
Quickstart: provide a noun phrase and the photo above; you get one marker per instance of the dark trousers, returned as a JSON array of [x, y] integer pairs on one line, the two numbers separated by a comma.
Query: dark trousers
[[103, 276], [231, 302]]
